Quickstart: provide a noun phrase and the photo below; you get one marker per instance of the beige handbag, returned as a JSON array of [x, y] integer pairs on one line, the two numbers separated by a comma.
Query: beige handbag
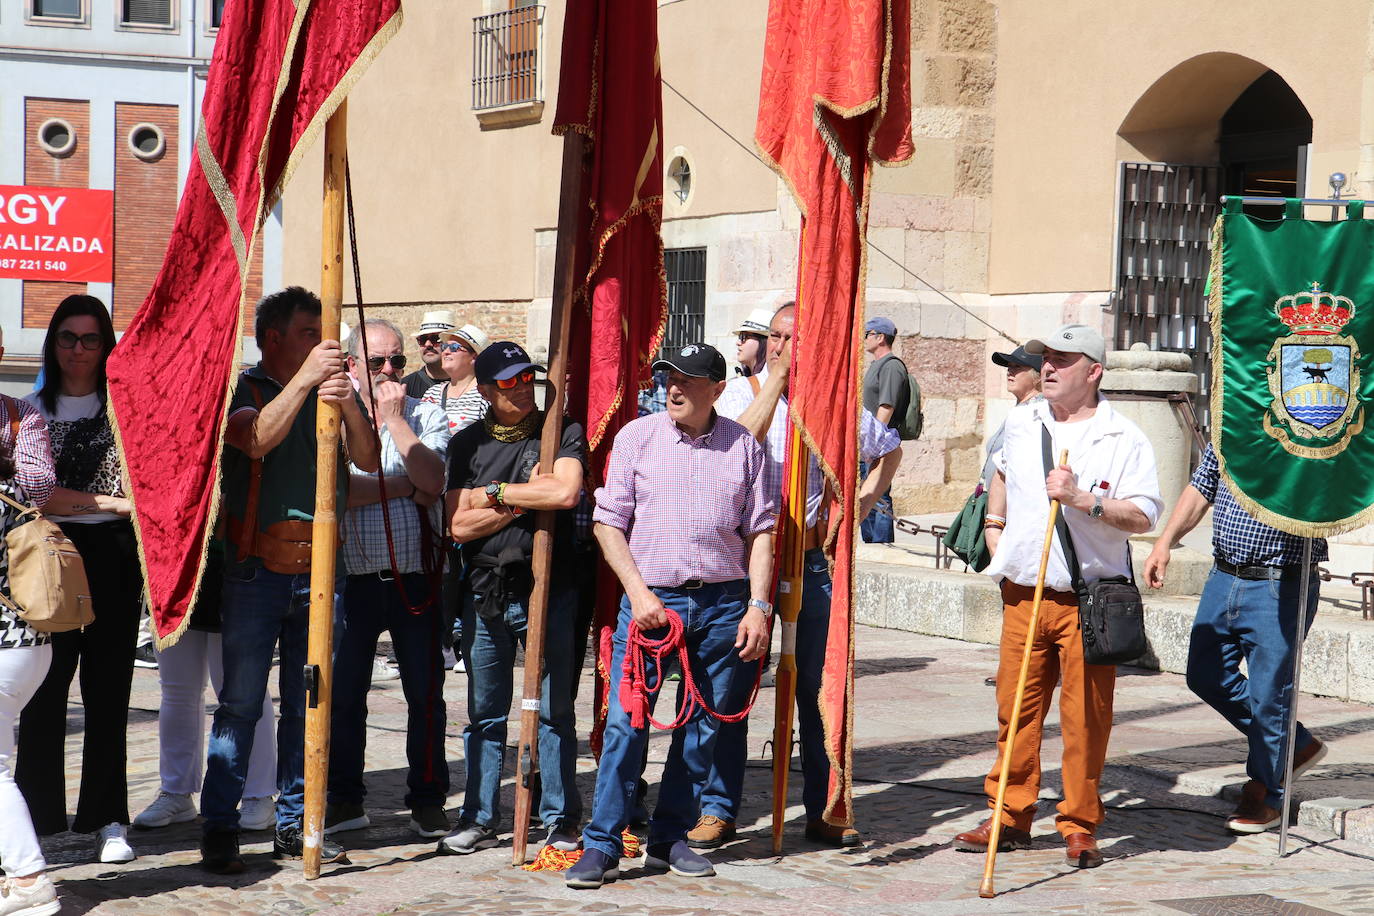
[[48, 587]]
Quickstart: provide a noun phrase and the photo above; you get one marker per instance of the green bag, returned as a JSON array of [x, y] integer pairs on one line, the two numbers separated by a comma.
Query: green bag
[[965, 537]]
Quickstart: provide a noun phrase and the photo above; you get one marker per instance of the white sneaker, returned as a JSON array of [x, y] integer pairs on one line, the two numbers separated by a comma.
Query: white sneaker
[[36, 899], [167, 808], [112, 845], [257, 813], [459, 667], [383, 669]]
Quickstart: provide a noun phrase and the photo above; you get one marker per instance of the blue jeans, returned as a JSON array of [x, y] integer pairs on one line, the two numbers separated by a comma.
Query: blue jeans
[[1255, 621], [710, 618], [489, 647], [260, 608], [878, 527], [371, 605], [720, 795]]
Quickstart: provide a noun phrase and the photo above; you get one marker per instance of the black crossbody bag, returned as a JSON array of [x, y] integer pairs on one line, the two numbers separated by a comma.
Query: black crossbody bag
[[1110, 611]]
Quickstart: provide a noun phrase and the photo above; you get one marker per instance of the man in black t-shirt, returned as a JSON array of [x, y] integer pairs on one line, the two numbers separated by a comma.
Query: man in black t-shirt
[[887, 394], [495, 486]]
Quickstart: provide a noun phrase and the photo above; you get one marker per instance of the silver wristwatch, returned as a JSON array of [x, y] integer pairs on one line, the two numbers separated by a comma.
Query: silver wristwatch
[[762, 606]]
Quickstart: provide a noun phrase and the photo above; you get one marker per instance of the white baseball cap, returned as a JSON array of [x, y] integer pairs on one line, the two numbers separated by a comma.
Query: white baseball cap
[[1072, 338]]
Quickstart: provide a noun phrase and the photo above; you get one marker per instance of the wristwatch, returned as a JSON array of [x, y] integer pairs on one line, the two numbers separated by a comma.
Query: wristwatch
[[493, 492], [762, 606], [1096, 510]]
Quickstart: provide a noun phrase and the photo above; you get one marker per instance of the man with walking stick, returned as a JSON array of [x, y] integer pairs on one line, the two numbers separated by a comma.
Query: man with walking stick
[[1249, 610], [1108, 491]]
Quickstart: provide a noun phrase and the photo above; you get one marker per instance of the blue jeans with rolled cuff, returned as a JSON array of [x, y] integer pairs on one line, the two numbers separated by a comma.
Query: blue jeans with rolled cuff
[[262, 611], [489, 648], [1255, 621], [720, 794], [711, 617], [373, 604]]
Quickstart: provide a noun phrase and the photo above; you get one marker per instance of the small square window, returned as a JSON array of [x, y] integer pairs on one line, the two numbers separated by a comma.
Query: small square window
[[216, 13], [58, 9]]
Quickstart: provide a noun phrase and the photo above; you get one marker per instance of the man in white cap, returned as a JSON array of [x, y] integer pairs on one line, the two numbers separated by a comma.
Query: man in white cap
[[1107, 490], [751, 353], [430, 338]]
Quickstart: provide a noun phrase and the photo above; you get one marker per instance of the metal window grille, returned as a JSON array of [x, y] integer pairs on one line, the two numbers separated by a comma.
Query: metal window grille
[[686, 271], [147, 12], [505, 57], [57, 9], [1167, 213]]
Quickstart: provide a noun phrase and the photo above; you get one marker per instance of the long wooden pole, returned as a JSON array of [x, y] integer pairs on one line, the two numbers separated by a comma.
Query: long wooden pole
[[986, 889], [1290, 738], [789, 609], [319, 668], [569, 206]]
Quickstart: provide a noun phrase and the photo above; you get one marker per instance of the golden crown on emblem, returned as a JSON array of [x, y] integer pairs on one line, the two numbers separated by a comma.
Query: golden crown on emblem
[[1314, 311]]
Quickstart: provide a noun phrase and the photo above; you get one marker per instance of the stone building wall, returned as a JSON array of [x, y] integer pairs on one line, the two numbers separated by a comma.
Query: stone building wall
[[501, 320]]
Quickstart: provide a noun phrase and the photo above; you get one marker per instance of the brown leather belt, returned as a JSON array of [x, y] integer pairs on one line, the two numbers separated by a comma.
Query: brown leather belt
[[283, 548]]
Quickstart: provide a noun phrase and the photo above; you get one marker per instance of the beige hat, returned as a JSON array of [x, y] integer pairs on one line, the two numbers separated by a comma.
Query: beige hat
[[1072, 338], [757, 323], [470, 334], [436, 323]]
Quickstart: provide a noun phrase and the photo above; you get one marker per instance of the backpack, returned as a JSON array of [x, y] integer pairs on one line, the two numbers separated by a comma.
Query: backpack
[[909, 426]]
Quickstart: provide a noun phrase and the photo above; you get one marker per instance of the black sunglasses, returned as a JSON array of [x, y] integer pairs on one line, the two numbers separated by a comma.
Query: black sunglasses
[[427, 340], [67, 340], [375, 363]]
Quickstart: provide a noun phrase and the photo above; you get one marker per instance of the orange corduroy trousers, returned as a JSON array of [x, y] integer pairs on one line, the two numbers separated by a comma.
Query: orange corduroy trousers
[[1085, 710]]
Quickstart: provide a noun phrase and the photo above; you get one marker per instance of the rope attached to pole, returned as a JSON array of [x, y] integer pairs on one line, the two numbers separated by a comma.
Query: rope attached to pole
[[635, 691]]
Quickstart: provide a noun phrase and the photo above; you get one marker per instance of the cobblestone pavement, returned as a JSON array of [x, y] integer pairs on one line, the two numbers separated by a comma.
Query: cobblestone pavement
[[924, 741]]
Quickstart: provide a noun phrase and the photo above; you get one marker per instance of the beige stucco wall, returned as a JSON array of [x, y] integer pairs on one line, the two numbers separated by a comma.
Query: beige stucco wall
[[1068, 77]]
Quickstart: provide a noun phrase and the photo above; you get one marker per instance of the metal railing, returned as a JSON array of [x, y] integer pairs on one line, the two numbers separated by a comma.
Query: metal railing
[[506, 62]]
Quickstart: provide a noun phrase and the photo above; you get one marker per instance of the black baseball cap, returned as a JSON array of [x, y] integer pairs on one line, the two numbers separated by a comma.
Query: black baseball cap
[[698, 360], [502, 360], [1019, 357]]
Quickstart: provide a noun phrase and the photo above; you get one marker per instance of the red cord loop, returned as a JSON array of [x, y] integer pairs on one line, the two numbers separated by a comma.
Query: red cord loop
[[635, 690]]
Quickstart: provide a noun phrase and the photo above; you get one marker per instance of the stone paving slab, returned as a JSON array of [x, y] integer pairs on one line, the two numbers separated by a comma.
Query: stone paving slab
[[924, 736]]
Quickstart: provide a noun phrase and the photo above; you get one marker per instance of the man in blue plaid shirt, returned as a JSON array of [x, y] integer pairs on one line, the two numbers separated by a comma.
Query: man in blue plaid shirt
[[1249, 610]]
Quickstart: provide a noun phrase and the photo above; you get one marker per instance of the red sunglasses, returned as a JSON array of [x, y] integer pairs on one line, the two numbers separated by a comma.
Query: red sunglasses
[[524, 378]]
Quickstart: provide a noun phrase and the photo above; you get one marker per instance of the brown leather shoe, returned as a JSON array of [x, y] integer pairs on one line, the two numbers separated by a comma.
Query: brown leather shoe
[[976, 840], [1257, 820], [1082, 850], [711, 832], [1308, 757], [1251, 798], [830, 835]]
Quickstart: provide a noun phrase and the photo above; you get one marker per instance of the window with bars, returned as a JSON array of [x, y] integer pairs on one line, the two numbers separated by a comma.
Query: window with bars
[[686, 272], [146, 12], [506, 69]]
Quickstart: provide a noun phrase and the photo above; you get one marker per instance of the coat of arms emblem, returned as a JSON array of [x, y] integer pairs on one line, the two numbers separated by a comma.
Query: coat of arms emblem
[[1314, 376]]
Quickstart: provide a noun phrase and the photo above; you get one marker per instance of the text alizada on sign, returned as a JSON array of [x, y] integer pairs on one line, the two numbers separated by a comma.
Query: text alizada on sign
[[56, 234]]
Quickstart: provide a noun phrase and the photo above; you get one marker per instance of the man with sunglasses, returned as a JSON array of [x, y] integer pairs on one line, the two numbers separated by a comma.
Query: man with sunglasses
[[394, 562], [434, 328], [495, 485]]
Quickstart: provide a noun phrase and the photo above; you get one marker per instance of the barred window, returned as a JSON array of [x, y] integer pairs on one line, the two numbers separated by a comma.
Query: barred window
[[686, 271], [146, 12]]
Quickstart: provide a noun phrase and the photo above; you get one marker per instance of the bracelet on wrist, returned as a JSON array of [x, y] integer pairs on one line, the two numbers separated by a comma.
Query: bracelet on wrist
[[993, 525], [501, 494], [996, 518]]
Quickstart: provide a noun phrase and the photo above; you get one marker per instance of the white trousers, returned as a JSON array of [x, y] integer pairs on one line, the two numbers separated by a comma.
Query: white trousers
[[21, 671], [182, 725]]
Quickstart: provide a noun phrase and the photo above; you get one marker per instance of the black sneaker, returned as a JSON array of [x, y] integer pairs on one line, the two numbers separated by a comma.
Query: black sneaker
[[145, 657], [219, 853], [289, 843]]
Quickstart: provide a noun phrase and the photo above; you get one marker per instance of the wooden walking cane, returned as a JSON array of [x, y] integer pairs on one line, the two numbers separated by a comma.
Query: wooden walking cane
[[789, 609], [986, 889], [527, 760], [319, 663]]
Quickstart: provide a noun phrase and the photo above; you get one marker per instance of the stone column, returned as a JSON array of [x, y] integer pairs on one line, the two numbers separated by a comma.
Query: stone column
[[1137, 382]]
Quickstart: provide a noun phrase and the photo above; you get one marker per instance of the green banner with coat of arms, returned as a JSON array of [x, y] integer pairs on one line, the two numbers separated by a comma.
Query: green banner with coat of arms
[[1292, 309]]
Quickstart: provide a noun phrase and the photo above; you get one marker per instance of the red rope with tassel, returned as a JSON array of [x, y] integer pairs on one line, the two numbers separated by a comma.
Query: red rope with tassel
[[635, 689]]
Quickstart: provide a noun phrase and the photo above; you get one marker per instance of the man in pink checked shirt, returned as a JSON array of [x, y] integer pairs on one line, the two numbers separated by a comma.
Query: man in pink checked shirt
[[685, 522]]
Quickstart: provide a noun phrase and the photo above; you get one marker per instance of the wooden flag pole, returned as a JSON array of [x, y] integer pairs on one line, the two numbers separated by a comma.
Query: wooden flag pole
[[986, 888], [319, 664], [789, 609], [527, 760]]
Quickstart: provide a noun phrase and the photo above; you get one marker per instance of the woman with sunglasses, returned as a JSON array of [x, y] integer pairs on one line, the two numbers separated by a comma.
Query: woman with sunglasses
[[90, 506], [459, 397]]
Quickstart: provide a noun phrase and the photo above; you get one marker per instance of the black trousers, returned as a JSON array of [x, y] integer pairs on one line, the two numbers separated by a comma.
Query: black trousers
[[104, 651]]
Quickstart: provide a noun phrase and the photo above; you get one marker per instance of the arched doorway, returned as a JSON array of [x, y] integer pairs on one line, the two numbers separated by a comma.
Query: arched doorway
[[1215, 124]]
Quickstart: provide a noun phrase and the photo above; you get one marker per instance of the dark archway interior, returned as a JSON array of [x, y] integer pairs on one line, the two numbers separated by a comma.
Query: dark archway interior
[[1263, 140]]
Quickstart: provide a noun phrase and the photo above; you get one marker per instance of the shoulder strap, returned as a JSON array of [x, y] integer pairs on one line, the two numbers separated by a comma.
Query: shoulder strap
[[754, 384], [1061, 524]]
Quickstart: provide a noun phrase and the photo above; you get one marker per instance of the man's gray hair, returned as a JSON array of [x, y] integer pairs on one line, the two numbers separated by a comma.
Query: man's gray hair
[[355, 337]]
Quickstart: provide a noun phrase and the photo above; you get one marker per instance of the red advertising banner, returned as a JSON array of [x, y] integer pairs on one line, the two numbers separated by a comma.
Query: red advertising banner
[[56, 234]]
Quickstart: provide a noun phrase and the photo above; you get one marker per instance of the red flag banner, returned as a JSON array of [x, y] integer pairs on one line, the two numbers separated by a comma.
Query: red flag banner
[[280, 69], [610, 91], [835, 97]]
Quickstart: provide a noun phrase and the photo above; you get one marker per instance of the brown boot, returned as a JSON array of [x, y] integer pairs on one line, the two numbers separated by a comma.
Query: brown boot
[[711, 832], [830, 835], [976, 840], [1082, 851]]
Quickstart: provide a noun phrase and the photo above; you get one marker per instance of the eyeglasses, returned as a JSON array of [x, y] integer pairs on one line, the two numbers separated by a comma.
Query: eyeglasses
[[524, 378], [453, 346], [427, 340], [375, 363], [67, 340]]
